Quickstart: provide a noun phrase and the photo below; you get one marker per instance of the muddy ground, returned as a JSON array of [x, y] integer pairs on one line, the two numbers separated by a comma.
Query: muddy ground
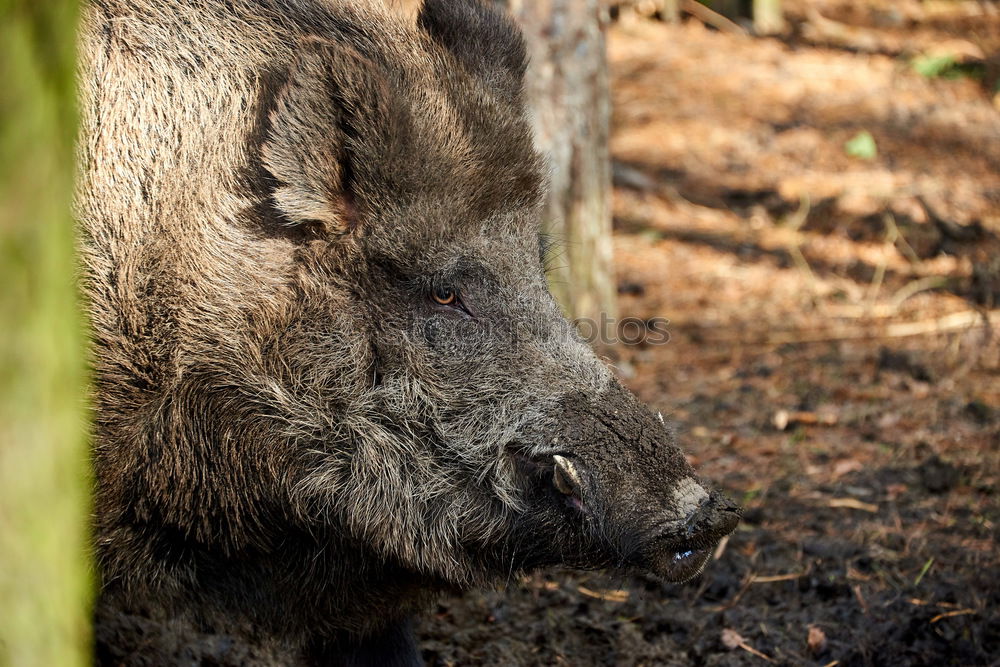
[[830, 363]]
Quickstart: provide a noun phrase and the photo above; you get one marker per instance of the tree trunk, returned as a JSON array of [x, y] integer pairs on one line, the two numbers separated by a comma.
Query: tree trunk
[[767, 17], [45, 583], [567, 86], [671, 11]]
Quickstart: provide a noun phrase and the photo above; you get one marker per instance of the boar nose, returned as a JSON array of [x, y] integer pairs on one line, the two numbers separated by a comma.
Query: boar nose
[[714, 518]]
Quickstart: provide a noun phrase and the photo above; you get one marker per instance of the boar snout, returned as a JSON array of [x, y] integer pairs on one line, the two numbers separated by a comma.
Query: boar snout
[[684, 547], [614, 465]]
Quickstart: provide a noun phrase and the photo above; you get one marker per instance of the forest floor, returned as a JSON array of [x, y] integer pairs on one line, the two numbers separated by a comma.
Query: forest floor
[[834, 359]]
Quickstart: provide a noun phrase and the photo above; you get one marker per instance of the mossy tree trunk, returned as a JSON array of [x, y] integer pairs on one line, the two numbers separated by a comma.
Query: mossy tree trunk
[[567, 87], [45, 582]]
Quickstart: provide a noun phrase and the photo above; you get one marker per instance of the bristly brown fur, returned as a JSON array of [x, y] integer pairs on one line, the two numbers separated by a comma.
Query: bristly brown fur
[[295, 445]]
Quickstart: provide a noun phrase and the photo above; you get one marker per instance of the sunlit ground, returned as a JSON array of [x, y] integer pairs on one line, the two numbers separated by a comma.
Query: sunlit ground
[[833, 360]]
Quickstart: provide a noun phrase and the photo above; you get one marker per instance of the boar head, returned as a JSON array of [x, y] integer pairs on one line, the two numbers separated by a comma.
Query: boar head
[[365, 365], [475, 431]]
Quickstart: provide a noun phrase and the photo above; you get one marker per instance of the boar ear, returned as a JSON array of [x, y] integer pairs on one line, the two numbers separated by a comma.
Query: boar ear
[[481, 37], [332, 106]]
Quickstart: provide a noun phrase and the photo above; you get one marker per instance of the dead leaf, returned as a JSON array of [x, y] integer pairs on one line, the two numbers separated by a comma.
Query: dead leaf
[[889, 419], [816, 640], [893, 491], [732, 639], [841, 468]]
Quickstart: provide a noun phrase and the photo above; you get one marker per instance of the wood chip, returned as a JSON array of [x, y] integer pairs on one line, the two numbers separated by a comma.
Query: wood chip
[[816, 639], [783, 418]]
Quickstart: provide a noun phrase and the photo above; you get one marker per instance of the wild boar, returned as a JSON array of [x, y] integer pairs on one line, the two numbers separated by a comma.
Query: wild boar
[[330, 379]]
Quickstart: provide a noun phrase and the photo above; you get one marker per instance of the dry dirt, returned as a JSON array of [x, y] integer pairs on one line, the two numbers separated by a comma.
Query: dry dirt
[[832, 359]]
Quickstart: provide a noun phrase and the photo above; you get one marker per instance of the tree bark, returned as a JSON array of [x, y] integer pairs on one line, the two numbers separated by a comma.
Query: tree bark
[[45, 582], [671, 11], [767, 17], [567, 88]]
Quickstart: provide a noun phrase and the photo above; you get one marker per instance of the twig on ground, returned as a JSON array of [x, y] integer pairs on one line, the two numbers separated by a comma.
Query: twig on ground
[[821, 29], [610, 596], [712, 18], [967, 319], [795, 221], [949, 614], [854, 504], [890, 222], [776, 577], [891, 234], [955, 321], [751, 649], [924, 603], [721, 548], [736, 598], [861, 598], [915, 287]]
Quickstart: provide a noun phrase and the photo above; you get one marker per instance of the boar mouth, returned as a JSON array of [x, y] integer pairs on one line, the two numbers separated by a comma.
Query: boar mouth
[[680, 566]]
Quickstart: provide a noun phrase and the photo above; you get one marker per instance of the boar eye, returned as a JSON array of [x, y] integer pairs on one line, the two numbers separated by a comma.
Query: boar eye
[[446, 296]]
